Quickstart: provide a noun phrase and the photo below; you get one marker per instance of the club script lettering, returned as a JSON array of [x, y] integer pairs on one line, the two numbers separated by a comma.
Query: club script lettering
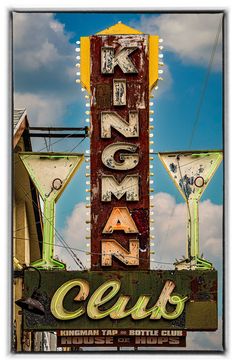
[[109, 290]]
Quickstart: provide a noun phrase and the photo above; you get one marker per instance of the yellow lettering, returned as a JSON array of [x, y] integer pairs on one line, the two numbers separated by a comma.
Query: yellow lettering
[[97, 299], [106, 292], [57, 308], [120, 219]]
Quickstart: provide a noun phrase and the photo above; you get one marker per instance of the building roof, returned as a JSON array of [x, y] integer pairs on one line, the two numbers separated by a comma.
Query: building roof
[[18, 117]]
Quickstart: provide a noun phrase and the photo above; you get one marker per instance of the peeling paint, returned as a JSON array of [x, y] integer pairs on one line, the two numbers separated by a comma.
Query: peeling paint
[[107, 141]]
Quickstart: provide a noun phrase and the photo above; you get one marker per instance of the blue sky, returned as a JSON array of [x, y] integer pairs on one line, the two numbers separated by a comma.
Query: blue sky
[[44, 83], [175, 108]]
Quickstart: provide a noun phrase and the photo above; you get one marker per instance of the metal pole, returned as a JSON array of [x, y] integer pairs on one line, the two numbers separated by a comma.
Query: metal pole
[[193, 227], [47, 261]]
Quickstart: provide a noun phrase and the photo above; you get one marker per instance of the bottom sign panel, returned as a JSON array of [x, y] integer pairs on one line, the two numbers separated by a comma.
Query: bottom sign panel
[[184, 300], [121, 341], [121, 338]]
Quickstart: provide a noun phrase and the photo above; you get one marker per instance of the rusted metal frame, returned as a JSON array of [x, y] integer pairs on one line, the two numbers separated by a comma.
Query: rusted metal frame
[[101, 88]]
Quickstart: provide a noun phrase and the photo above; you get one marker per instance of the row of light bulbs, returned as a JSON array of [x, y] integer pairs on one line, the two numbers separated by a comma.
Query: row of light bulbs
[[87, 162], [151, 143], [87, 159]]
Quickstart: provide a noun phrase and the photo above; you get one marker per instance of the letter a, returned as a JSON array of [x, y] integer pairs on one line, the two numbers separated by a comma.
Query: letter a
[[120, 219]]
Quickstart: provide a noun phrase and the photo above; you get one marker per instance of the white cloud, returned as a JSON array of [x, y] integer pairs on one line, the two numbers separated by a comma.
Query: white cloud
[[169, 229], [206, 340], [44, 67], [41, 110], [189, 36], [39, 40], [74, 233]]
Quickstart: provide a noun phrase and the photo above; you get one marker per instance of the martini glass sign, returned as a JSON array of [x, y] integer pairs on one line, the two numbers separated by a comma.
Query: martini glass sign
[[50, 173], [191, 173]]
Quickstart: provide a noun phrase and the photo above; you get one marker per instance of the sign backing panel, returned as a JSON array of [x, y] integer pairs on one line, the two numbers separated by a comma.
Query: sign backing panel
[[199, 289]]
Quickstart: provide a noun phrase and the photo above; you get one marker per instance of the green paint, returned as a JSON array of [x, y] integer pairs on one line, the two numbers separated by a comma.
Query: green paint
[[47, 261], [200, 287], [36, 164]]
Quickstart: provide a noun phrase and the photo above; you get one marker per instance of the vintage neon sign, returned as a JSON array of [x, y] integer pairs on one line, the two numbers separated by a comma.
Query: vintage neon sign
[[106, 292], [115, 70]]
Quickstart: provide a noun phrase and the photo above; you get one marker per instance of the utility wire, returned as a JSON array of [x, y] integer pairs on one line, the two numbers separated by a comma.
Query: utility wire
[[76, 259], [56, 232], [96, 253], [44, 148], [76, 146], [204, 87]]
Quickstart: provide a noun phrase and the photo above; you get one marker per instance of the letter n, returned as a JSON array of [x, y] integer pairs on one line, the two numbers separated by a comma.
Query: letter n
[[112, 119], [110, 247]]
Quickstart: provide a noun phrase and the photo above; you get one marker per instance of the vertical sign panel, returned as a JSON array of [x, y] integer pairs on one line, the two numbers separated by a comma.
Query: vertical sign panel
[[119, 152]]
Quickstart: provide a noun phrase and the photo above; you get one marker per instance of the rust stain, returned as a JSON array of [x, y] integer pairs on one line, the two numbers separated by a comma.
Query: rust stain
[[137, 95]]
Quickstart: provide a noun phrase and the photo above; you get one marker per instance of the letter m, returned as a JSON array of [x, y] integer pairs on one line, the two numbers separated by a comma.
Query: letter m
[[128, 186]]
